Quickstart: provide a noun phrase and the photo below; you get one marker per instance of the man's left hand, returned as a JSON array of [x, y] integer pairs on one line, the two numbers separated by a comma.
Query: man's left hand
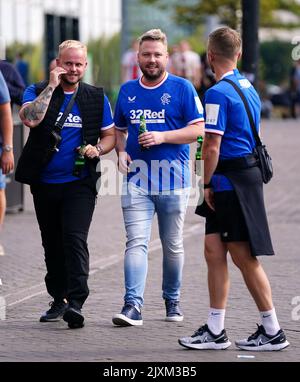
[[89, 151], [7, 162]]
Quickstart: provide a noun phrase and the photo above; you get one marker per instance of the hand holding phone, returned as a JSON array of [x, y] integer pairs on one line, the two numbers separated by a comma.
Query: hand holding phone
[[55, 76]]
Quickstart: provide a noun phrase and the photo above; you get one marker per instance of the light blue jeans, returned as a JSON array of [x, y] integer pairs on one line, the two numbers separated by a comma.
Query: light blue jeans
[[139, 208]]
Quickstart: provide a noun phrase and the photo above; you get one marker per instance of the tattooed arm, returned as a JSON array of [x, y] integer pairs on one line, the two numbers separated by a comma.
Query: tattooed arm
[[33, 113]]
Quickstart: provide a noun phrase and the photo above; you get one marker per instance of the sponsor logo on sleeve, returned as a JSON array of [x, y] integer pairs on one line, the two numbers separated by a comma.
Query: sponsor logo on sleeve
[[212, 113], [245, 83]]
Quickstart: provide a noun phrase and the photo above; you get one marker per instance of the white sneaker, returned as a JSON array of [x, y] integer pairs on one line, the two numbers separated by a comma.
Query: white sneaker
[[204, 339], [2, 252], [261, 341]]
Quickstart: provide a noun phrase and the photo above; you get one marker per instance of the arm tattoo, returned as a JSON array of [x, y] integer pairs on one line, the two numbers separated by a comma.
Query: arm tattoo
[[36, 110]]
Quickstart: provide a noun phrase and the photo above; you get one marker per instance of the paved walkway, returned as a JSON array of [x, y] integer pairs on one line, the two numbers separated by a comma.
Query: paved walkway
[[24, 338]]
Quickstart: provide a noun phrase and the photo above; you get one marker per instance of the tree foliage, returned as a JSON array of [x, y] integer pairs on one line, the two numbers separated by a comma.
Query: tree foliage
[[274, 67], [229, 11], [105, 52]]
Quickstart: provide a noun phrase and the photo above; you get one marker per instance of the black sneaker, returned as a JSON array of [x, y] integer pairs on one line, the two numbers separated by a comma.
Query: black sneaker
[[173, 312], [261, 341], [129, 316], [55, 313], [74, 318], [203, 338]]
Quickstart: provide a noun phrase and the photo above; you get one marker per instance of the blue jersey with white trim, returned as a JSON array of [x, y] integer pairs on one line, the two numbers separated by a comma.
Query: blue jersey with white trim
[[60, 167], [225, 114], [172, 104]]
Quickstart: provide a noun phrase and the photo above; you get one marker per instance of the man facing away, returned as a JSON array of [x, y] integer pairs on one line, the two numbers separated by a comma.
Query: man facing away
[[236, 221], [6, 146], [158, 172], [64, 199]]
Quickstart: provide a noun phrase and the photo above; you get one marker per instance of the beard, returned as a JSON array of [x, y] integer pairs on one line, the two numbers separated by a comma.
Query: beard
[[152, 76], [65, 79]]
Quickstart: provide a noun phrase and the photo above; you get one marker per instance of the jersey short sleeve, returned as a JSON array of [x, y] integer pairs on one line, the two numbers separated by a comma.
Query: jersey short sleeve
[[193, 109], [107, 121], [215, 112], [119, 118], [29, 94]]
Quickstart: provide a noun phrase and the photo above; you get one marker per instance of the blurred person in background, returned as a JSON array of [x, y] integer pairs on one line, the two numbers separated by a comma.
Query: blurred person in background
[[130, 69], [295, 89], [14, 81], [23, 67], [187, 64]]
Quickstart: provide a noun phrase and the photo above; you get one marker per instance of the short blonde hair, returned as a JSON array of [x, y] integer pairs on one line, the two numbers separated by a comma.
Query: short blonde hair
[[225, 42], [153, 35], [71, 44]]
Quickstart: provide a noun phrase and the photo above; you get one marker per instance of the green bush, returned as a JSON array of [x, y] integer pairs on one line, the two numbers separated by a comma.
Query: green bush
[[275, 61], [106, 64]]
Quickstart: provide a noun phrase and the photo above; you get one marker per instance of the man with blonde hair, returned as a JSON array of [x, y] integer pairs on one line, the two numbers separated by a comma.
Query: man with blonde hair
[[235, 214], [157, 167], [71, 126]]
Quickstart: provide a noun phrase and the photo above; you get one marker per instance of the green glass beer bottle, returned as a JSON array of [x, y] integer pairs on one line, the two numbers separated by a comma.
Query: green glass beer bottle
[[79, 163], [143, 129], [198, 155]]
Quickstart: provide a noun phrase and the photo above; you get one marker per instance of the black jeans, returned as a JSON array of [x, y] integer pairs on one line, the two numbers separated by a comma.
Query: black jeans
[[64, 213]]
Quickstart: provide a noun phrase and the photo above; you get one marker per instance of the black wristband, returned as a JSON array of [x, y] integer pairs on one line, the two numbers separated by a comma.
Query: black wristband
[[207, 185]]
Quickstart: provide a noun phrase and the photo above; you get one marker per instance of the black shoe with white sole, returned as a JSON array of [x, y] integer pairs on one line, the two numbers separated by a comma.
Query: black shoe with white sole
[[55, 313], [261, 341], [203, 338]]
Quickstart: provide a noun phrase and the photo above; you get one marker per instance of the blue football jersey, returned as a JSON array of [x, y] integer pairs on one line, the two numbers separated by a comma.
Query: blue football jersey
[[60, 167], [172, 104], [225, 114]]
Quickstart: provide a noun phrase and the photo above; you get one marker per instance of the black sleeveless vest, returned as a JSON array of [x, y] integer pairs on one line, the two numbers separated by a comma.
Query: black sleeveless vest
[[35, 154]]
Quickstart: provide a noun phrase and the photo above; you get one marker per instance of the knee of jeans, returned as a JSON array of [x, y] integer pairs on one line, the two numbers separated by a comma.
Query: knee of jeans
[[137, 244], [173, 246]]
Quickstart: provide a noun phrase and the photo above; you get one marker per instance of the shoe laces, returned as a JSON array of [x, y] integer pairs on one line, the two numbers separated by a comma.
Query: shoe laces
[[172, 306], [127, 308], [260, 330], [55, 306], [200, 331]]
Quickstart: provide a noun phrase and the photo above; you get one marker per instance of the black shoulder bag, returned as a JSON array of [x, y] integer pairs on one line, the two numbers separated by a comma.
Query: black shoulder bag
[[260, 151], [39, 149], [55, 133]]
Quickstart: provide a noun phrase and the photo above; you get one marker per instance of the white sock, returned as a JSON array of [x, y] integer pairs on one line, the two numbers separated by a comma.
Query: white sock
[[270, 322], [215, 321]]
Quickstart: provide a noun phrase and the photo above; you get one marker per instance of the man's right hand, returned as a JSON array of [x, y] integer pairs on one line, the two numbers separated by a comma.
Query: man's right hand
[[55, 76], [124, 162]]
